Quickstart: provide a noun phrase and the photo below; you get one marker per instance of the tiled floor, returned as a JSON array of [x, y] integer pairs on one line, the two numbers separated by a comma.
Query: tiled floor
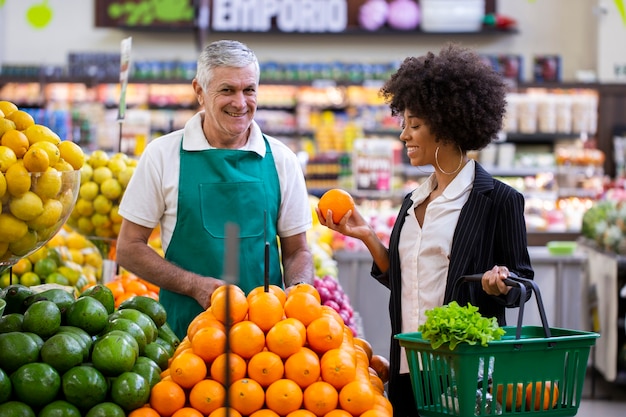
[[606, 400]]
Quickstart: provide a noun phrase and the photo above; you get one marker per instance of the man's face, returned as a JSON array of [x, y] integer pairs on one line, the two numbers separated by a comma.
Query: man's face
[[230, 103]]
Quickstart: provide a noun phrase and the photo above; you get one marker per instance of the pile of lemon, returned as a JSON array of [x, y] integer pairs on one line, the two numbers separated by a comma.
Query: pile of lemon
[[38, 181], [104, 178]]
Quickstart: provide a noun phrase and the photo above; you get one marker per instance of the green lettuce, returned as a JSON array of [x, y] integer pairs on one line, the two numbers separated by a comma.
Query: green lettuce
[[454, 324]]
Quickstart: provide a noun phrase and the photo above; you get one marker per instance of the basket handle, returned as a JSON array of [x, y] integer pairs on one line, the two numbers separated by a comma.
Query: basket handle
[[521, 283]]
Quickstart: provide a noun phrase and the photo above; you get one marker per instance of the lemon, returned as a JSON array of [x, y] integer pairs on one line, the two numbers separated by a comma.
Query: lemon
[[114, 215], [53, 151], [125, 176], [7, 107], [36, 159], [72, 153], [102, 205], [37, 133], [101, 174], [12, 229], [116, 165], [85, 226], [17, 141], [26, 206], [22, 119], [76, 241], [67, 198], [86, 173], [38, 254], [111, 188], [6, 125], [47, 184], [7, 158], [3, 187], [63, 166], [83, 207], [94, 259], [100, 220], [88, 190], [25, 244], [52, 210], [18, 179], [98, 158], [77, 256]]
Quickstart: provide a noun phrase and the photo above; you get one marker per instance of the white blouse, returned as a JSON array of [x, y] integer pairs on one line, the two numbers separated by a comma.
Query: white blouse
[[425, 251]]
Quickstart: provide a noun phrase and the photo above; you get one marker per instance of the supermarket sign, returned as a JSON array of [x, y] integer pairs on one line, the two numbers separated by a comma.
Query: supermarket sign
[[285, 16]]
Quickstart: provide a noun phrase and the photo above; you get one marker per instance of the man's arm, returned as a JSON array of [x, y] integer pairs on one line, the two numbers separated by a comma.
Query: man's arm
[[134, 254], [297, 260]]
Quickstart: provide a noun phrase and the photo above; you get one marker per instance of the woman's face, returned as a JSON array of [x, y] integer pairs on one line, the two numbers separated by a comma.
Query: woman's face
[[419, 142]]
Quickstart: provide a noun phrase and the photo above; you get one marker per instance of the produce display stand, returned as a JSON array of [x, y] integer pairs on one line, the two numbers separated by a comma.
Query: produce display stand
[[465, 381]]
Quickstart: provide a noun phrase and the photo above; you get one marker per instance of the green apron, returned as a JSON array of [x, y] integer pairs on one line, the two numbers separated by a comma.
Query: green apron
[[217, 186]]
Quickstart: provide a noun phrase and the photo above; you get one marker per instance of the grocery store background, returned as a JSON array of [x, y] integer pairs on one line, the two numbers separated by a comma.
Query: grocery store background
[[588, 35]]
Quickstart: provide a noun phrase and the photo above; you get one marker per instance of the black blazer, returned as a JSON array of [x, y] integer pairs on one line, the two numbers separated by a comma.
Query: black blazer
[[491, 231]]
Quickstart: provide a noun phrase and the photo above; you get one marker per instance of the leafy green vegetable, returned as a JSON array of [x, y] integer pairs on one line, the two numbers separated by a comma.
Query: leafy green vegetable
[[454, 324]]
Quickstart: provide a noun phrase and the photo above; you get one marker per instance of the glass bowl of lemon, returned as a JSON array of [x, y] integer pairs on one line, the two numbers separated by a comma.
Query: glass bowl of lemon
[[35, 205]]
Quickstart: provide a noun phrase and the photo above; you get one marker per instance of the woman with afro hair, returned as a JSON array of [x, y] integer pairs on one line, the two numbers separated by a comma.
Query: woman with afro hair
[[460, 220]]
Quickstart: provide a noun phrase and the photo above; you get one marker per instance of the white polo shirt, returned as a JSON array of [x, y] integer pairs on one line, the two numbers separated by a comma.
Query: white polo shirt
[[152, 193]]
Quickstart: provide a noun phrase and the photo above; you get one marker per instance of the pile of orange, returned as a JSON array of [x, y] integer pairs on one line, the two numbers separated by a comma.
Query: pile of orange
[[289, 356], [126, 285]]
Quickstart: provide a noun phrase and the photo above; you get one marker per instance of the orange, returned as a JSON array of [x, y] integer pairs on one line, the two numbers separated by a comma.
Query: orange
[[508, 403], [207, 395], [188, 369], [237, 368], [338, 201], [303, 306], [238, 304], [365, 345], [274, 289], [265, 309], [303, 367], [225, 412], [376, 382], [376, 412], [356, 397], [167, 397], [246, 339], [204, 319], [304, 287], [329, 311], [338, 367], [209, 343], [145, 411], [284, 339], [137, 286], [550, 392], [301, 327], [264, 412], [283, 396], [383, 403], [320, 397], [324, 333], [187, 412], [246, 396], [338, 413], [301, 413], [266, 367]]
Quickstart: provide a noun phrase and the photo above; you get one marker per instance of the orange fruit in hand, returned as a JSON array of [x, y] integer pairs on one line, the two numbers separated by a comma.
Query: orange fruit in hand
[[338, 201]]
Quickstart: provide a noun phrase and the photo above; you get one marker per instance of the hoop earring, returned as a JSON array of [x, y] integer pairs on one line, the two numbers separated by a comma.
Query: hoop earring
[[439, 166]]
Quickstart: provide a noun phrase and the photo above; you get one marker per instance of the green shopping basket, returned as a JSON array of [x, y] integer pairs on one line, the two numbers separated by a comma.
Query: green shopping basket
[[530, 371]]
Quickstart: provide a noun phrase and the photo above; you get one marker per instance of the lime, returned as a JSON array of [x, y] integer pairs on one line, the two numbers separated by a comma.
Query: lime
[[5, 386], [16, 409], [103, 294], [114, 353], [130, 391], [45, 267], [158, 354], [84, 386], [42, 318], [12, 229], [5, 279], [59, 408], [36, 384], [87, 313], [106, 409], [62, 351], [11, 322], [48, 184], [131, 328], [30, 279], [57, 278]]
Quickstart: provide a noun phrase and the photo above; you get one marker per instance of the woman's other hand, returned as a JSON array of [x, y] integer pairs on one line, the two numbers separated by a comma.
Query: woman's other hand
[[493, 281]]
